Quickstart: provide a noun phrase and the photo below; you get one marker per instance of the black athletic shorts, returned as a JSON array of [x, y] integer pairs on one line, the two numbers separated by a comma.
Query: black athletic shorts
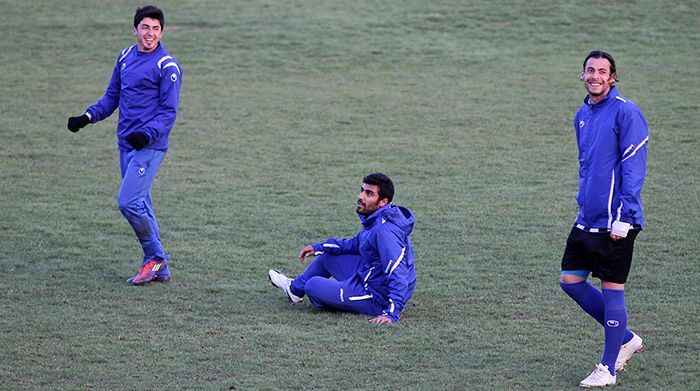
[[610, 260]]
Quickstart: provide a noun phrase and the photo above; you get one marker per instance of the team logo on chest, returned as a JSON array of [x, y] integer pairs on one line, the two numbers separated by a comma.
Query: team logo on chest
[[580, 124], [123, 66]]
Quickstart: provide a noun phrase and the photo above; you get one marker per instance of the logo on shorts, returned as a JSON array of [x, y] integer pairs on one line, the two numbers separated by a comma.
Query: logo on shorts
[[142, 170], [580, 124], [173, 77], [613, 323]]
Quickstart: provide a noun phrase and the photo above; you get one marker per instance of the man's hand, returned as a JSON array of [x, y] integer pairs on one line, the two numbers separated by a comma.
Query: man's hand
[[619, 230], [305, 252], [137, 140], [77, 123], [380, 319]]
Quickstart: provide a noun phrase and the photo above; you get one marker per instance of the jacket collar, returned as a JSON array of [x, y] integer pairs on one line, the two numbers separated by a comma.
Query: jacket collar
[[368, 221], [157, 50], [612, 94]]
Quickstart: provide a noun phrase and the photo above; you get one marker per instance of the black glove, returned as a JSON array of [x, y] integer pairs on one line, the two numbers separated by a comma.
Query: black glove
[[137, 140], [77, 123]]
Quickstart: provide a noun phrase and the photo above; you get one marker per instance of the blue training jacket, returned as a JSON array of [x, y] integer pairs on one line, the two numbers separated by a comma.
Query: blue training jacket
[[612, 137], [146, 88], [388, 273]]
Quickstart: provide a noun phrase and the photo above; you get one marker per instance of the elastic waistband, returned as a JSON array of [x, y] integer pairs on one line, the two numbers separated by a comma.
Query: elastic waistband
[[601, 230], [592, 230]]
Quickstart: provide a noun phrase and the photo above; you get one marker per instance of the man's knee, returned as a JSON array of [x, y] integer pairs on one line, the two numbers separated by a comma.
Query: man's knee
[[573, 276], [613, 285], [130, 212], [319, 290], [125, 206], [130, 205], [314, 286]]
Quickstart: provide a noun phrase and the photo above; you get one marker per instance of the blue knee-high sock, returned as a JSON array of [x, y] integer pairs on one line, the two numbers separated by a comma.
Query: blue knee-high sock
[[615, 325], [587, 297], [590, 299]]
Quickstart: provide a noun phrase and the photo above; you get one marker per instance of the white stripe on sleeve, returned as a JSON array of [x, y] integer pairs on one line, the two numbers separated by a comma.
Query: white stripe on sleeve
[[643, 143], [172, 64], [403, 252], [160, 62]]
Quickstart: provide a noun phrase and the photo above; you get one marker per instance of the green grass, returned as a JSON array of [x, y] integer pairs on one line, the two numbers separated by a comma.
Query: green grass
[[284, 107]]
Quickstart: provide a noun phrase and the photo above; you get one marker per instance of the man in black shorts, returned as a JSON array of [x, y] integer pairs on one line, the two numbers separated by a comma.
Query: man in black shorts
[[612, 136]]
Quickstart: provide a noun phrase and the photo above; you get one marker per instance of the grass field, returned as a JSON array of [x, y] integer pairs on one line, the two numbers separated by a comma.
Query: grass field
[[284, 107]]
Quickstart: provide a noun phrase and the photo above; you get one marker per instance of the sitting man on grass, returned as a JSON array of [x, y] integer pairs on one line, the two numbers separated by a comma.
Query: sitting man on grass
[[373, 272]]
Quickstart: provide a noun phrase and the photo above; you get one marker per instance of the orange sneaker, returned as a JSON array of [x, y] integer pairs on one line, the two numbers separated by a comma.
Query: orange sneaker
[[152, 270]]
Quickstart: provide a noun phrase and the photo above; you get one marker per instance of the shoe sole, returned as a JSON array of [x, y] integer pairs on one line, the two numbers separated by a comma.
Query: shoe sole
[[587, 386], [155, 279], [144, 282], [639, 350]]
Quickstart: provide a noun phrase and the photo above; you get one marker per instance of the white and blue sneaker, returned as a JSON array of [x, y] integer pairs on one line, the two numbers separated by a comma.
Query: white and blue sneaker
[[600, 377], [278, 279]]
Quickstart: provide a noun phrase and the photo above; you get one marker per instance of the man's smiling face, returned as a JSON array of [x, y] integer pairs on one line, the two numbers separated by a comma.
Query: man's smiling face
[[148, 33], [597, 78]]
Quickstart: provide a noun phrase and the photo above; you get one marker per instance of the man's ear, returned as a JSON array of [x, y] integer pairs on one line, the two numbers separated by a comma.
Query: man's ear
[[384, 202]]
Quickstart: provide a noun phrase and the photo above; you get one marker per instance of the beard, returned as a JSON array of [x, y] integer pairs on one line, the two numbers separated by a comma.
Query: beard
[[365, 210]]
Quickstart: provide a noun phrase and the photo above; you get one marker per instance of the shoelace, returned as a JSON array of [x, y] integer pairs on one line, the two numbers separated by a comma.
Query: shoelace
[[599, 371]]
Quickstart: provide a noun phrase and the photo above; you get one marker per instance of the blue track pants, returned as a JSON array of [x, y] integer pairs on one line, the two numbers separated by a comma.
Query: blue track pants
[[139, 169], [345, 293]]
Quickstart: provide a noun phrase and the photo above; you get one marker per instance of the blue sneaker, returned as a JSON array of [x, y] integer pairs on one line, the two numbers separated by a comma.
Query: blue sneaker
[[149, 272]]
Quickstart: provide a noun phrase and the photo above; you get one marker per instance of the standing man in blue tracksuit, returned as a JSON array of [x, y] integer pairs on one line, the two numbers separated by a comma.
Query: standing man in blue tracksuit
[[145, 85], [612, 140], [373, 272]]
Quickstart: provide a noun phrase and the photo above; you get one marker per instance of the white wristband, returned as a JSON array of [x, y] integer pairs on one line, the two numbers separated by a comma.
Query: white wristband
[[620, 228]]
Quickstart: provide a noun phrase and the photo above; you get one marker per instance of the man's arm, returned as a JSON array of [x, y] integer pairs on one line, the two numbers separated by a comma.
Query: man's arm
[[392, 248], [634, 136], [331, 246]]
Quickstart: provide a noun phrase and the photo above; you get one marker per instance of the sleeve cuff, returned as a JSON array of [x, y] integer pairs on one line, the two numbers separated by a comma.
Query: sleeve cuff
[[393, 317], [318, 248]]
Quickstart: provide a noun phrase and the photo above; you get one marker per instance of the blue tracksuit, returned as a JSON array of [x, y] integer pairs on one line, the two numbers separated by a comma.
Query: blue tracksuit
[[374, 271], [146, 88], [612, 137]]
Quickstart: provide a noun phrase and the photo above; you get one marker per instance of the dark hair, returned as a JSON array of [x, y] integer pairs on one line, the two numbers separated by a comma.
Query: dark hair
[[386, 186], [605, 55], [149, 11]]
